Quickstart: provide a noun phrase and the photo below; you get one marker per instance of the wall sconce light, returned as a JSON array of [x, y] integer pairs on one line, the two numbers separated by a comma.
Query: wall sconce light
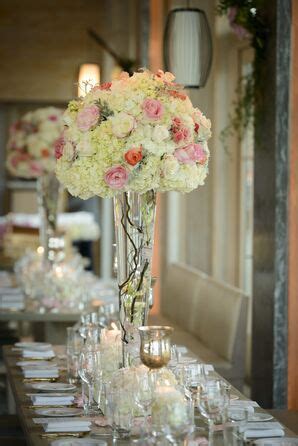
[[188, 46], [89, 75]]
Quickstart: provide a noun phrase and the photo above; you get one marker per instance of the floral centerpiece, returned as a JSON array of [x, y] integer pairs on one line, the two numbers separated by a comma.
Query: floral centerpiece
[[31, 143], [31, 154], [129, 139]]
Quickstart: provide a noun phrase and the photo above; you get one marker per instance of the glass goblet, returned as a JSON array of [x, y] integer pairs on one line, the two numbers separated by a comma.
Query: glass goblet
[[90, 373]]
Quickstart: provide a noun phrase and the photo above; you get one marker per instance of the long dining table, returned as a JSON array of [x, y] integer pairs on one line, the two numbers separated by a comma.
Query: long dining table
[[20, 387]]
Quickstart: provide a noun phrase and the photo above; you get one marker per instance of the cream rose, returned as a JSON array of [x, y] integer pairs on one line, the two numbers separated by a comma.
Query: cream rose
[[160, 133], [122, 124], [170, 166]]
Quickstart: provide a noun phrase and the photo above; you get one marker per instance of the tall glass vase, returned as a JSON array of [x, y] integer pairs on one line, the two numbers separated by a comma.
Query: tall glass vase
[[134, 215], [47, 199]]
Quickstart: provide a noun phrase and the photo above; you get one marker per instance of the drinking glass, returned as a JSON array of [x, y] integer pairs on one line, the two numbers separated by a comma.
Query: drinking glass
[[194, 376], [212, 402], [73, 347], [237, 418], [119, 411], [175, 355], [144, 394], [90, 373]]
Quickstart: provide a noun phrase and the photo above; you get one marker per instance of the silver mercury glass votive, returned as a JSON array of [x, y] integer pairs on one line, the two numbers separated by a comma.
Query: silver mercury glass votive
[[155, 350]]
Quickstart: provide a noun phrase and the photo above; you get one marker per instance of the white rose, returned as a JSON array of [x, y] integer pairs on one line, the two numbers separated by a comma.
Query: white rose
[[122, 124], [85, 147], [35, 145], [160, 133], [68, 151], [170, 166]]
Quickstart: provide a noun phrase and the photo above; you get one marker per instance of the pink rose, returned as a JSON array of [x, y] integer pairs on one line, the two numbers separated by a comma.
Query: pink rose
[[59, 146], [191, 154], [179, 131], [200, 154], [53, 118], [35, 168], [19, 158], [116, 177], [180, 134], [88, 117], [152, 108]]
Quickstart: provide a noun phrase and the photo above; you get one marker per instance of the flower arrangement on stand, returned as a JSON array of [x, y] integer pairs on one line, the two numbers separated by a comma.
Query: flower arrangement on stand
[[31, 154], [130, 139], [31, 143]]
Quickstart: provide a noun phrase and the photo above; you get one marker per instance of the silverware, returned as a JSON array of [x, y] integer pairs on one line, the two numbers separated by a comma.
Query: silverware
[[63, 434], [30, 380]]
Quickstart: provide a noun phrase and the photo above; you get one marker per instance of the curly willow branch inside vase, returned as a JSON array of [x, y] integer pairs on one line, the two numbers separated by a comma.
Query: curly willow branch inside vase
[[134, 216]]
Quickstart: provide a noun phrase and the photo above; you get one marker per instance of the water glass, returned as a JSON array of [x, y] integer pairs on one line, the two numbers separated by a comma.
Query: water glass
[[194, 376], [175, 354], [212, 401], [73, 349], [90, 373], [237, 418], [144, 390]]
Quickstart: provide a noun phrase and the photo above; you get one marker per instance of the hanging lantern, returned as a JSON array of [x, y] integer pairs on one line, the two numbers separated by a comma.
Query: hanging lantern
[[188, 46]]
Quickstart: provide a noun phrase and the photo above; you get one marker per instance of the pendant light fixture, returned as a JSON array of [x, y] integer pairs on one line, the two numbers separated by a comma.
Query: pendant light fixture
[[188, 46]]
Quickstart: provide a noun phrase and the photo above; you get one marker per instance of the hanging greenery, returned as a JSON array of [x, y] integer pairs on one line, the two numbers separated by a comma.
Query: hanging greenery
[[246, 21]]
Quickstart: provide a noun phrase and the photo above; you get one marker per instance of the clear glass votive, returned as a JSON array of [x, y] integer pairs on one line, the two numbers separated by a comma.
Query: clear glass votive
[[120, 412]]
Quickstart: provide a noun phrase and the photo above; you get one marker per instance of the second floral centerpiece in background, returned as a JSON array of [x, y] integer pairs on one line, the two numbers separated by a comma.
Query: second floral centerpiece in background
[[31, 155], [130, 139]]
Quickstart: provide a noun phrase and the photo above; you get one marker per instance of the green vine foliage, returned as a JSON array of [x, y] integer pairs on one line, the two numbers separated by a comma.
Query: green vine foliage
[[245, 17]]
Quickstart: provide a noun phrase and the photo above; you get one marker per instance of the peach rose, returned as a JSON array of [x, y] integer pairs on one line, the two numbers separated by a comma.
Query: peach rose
[[134, 156]]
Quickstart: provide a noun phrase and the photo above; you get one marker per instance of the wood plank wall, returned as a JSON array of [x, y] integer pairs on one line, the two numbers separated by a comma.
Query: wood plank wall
[[293, 223]]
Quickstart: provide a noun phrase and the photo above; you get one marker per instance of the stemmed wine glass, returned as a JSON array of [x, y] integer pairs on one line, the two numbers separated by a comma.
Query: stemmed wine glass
[[144, 395], [90, 373]]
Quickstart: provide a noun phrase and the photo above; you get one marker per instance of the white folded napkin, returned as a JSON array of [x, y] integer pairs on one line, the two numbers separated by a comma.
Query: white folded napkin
[[42, 354], [263, 430], [35, 364], [244, 404], [51, 399], [67, 425], [12, 305], [7, 290], [41, 373], [33, 345], [5, 279]]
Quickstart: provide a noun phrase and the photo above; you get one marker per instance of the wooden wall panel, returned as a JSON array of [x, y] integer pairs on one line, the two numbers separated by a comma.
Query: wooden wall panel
[[44, 42], [293, 223]]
